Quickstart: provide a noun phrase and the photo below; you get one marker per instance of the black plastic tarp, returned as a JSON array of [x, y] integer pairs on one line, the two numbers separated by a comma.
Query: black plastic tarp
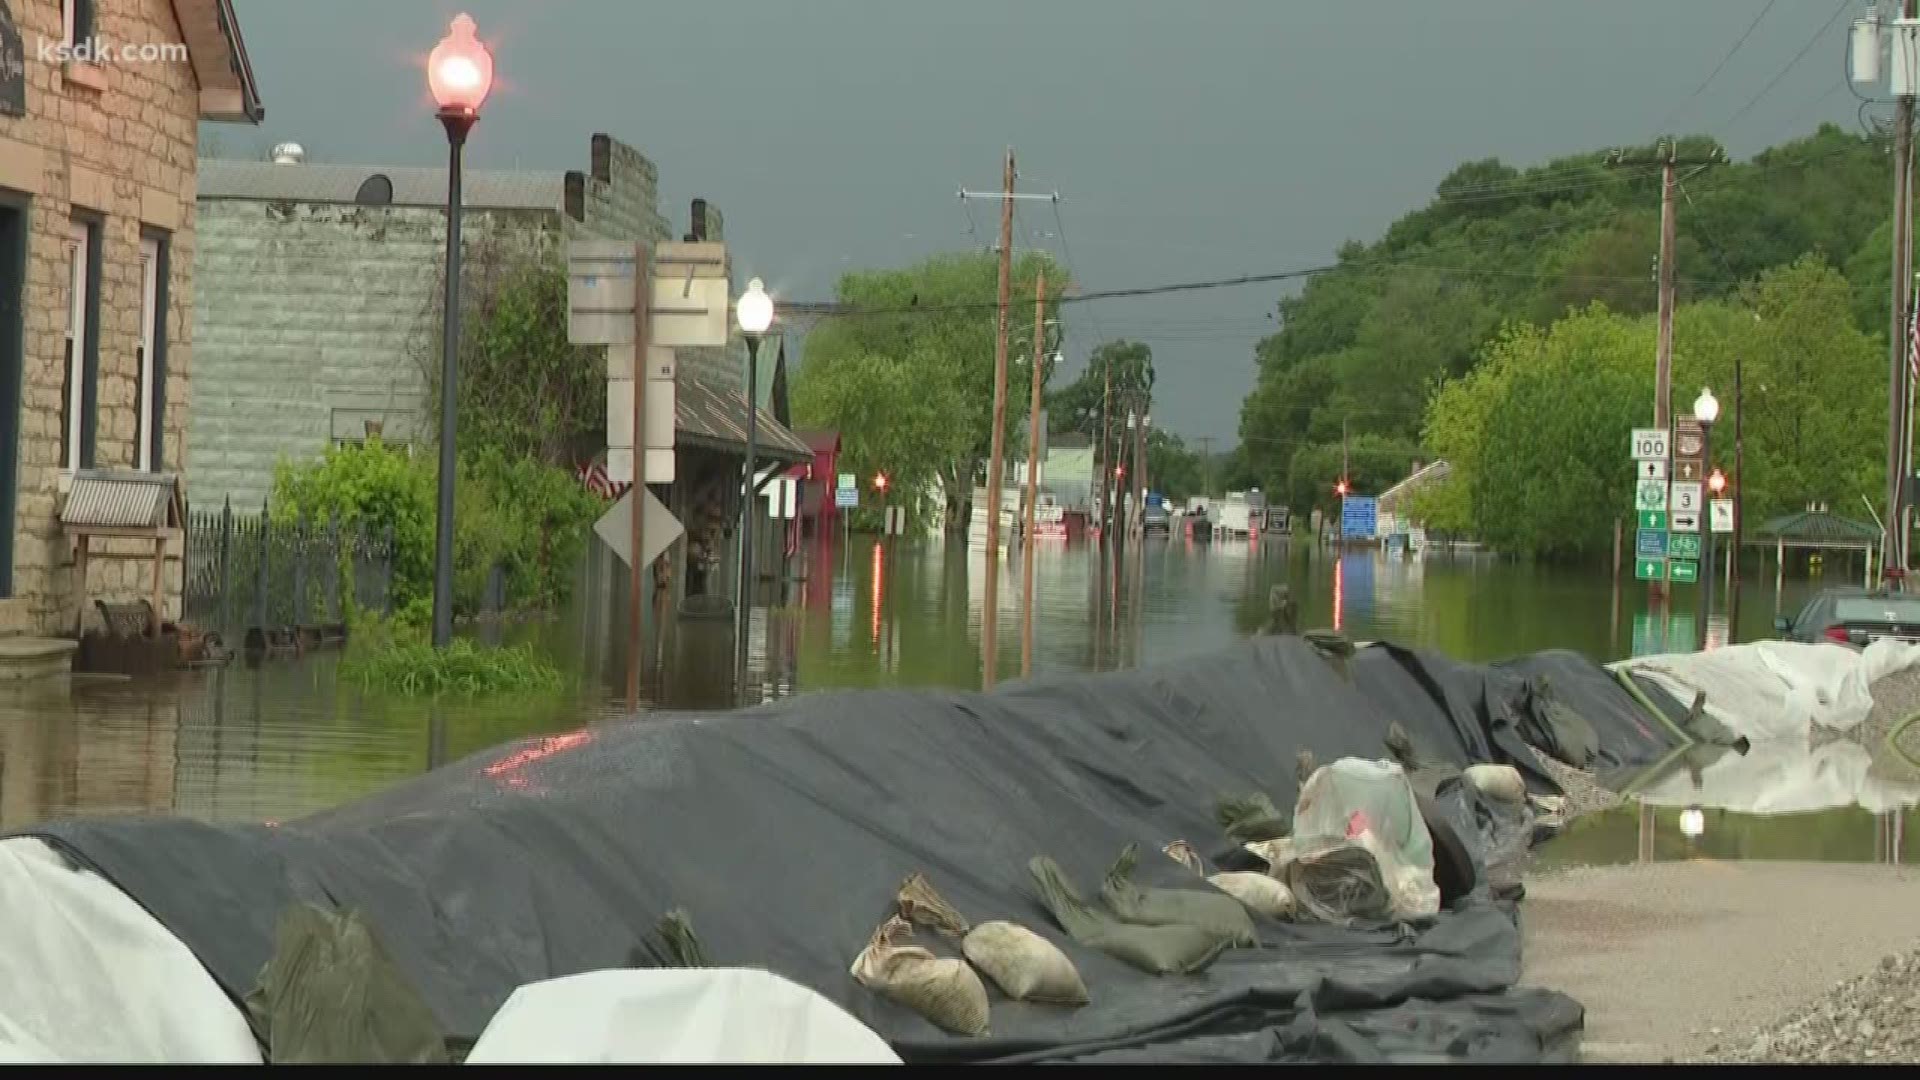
[[784, 832]]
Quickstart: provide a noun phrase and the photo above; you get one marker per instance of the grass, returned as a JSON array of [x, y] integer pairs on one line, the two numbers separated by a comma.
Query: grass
[[397, 658]]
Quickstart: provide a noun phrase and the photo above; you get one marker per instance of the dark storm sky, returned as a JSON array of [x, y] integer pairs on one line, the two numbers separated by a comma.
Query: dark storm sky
[[1189, 139]]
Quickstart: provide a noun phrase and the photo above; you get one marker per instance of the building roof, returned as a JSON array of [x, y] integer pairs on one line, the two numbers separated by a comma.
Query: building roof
[[219, 58], [820, 442], [1422, 478], [1819, 528], [268, 181], [120, 499], [705, 416]]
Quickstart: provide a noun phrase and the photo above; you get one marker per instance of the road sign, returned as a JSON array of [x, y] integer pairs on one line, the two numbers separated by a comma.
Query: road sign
[[1721, 513], [846, 494], [1687, 470], [1649, 444], [1684, 571], [1650, 495], [1650, 544], [1653, 519], [661, 528], [1650, 470], [1650, 569], [1685, 498], [1686, 523], [1684, 545], [1359, 517], [1689, 438]]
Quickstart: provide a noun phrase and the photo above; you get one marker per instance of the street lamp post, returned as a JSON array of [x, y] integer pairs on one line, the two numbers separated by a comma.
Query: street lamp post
[[755, 312], [459, 72], [1706, 409]]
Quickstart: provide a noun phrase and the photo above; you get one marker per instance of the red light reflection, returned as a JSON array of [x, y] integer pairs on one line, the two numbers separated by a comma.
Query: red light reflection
[[546, 747], [1339, 592], [879, 588]]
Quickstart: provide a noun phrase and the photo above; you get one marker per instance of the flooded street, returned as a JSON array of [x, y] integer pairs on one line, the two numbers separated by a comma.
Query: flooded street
[[288, 738]]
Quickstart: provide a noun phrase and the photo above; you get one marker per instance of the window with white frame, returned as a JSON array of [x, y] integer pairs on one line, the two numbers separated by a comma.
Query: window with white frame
[[76, 21], [80, 309], [148, 394]]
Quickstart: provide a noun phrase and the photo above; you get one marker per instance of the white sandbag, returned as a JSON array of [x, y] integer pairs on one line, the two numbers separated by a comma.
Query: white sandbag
[[1277, 853], [1024, 965], [89, 976], [944, 990], [1772, 689], [678, 1016], [1502, 782], [1261, 894]]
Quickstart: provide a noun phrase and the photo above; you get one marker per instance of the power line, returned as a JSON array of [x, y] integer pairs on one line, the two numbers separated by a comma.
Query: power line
[[1797, 57], [1704, 83]]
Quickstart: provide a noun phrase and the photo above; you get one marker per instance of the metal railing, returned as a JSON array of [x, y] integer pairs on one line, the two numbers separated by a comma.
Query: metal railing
[[249, 572]]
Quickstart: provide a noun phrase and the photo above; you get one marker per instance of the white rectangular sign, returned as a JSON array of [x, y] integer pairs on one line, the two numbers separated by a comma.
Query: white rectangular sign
[[1721, 513], [1649, 444], [660, 413], [687, 313], [620, 465], [1685, 499], [660, 362], [1650, 470], [1650, 495], [1685, 521]]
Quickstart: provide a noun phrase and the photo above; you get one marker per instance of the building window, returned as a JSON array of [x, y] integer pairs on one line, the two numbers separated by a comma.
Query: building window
[[76, 20], [79, 373], [150, 356]]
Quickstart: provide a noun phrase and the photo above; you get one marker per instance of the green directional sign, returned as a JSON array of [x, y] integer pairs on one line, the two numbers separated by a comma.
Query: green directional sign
[[1650, 569], [1653, 519], [1683, 546], [1685, 571]]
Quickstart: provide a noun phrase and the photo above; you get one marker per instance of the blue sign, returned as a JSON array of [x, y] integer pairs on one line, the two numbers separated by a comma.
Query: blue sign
[[1359, 517], [1650, 544], [846, 498]]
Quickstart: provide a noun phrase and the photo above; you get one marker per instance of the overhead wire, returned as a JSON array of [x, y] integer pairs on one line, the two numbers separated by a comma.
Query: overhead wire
[[1838, 11], [1717, 68]]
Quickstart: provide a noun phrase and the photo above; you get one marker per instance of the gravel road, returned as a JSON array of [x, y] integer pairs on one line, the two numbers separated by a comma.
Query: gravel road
[[1673, 958]]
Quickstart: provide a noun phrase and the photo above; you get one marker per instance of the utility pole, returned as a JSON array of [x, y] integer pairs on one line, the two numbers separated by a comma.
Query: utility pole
[[1895, 554], [1105, 480], [1033, 473], [642, 578], [1668, 156], [990, 617], [1206, 466]]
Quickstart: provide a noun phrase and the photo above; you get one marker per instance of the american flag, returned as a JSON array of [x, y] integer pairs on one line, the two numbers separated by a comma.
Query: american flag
[[1913, 340], [594, 475]]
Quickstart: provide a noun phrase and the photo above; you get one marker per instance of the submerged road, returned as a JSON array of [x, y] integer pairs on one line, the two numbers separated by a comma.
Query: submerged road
[[1671, 958]]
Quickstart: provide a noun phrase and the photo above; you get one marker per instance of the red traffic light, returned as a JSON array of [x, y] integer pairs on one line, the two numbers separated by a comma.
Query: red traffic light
[[1340, 488], [1119, 471], [1717, 482], [880, 481]]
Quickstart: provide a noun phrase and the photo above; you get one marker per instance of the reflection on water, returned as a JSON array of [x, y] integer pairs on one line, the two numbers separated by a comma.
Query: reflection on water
[[288, 739], [1645, 833]]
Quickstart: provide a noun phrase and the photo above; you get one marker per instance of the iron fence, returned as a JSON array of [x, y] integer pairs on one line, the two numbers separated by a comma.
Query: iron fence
[[250, 572]]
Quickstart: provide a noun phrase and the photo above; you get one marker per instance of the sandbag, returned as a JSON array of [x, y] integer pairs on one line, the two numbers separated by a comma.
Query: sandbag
[[1024, 965], [1275, 853], [1182, 852], [921, 905], [1502, 782], [1157, 950], [1252, 817], [1257, 892], [1222, 916], [332, 995], [942, 989], [1339, 883], [1371, 804]]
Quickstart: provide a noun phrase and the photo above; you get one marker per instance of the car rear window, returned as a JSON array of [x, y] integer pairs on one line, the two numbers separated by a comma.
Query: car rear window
[[1866, 609]]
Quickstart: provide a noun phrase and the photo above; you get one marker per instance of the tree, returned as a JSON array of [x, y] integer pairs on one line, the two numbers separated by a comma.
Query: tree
[[893, 415], [936, 320]]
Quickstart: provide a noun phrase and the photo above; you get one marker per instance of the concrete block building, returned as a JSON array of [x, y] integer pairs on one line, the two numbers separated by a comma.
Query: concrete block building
[[100, 101]]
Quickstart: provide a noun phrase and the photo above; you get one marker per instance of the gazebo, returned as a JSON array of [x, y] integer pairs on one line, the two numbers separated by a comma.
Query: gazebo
[[1818, 529]]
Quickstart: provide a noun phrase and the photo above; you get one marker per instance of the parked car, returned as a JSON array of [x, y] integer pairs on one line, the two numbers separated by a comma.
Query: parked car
[[1156, 518], [1855, 617]]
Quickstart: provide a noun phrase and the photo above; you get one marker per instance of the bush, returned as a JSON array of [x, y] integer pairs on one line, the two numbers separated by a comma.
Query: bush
[[529, 518], [395, 655]]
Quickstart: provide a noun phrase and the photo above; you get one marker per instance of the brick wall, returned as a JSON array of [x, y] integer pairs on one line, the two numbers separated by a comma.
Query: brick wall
[[116, 140], [316, 316]]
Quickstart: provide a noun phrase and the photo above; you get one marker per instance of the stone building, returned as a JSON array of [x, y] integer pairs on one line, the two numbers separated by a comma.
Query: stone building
[[99, 106], [318, 318]]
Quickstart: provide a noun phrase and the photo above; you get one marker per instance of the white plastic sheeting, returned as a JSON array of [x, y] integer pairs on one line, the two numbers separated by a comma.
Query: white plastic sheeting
[[1784, 777], [1370, 803], [86, 975], [732, 1016], [1778, 689]]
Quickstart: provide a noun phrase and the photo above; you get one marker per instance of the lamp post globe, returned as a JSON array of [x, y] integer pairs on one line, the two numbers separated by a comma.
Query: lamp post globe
[[460, 69], [754, 309], [1706, 407]]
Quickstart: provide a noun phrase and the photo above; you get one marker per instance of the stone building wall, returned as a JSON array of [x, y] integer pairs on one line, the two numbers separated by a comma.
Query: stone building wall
[[316, 317], [116, 141]]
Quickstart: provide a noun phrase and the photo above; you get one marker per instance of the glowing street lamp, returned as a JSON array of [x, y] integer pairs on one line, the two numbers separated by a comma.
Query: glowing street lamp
[[459, 73], [1706, 409], [754, 311]]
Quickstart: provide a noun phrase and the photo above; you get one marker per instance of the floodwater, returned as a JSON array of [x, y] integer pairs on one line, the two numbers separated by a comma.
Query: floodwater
[[287, 738]]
